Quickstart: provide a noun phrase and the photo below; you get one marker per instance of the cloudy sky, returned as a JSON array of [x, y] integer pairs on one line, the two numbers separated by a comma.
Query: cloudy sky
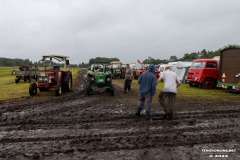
[[125, 29]]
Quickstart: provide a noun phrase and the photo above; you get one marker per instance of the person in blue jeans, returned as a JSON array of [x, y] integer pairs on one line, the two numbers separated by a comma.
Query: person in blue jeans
[[147, 88]]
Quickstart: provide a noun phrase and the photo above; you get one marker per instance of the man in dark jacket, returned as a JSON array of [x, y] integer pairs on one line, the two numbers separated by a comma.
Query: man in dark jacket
[[147, 89]]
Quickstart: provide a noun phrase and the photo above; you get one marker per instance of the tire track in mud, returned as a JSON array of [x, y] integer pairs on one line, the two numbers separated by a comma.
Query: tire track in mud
[[76, 123]]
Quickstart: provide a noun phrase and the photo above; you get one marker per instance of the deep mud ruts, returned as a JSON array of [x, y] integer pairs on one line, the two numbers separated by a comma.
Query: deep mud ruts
[[76, 126]]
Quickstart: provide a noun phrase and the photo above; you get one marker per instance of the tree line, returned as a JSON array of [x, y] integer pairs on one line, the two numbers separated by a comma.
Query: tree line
[[26, 62], [186, 57], [190, 56]]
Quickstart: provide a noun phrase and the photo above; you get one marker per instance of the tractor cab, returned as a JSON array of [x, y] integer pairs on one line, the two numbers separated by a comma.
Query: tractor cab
[[52, 76]]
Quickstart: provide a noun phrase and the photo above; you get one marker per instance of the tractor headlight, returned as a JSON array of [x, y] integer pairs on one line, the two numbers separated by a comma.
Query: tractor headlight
[[45, 79], [238, 75], [40, 78]]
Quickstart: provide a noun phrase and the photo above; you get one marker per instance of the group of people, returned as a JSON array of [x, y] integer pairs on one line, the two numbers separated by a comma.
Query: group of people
[[147, 89]]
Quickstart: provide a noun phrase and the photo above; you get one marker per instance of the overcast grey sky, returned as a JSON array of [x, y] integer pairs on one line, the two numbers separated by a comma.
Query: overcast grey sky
[[125, 29]]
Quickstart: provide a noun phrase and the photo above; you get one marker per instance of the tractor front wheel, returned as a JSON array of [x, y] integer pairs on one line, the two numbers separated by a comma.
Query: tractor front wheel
[[58, 89], [33, 89]]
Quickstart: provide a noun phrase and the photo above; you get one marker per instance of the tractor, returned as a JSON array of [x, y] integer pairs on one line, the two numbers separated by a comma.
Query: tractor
[[100, 78], [138, 69], [52, 77], [116, 69]]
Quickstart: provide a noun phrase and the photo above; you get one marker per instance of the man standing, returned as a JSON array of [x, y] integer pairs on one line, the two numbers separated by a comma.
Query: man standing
[[128, 79], [169, 91], [147, 89]]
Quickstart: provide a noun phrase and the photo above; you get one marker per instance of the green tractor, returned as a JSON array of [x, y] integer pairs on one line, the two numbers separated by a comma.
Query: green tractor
[[100, 79], [116, 69]]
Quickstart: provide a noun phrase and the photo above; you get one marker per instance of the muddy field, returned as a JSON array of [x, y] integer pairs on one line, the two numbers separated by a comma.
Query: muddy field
[[76, 126]]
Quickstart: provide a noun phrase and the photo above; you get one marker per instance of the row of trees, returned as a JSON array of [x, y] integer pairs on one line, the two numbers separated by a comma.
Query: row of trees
[[186, 57], [26, 62], [102, 59], [14, 62], [191, 56]]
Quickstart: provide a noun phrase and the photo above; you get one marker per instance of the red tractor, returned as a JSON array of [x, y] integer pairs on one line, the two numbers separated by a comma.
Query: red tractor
[[53, 77], [138, 70]]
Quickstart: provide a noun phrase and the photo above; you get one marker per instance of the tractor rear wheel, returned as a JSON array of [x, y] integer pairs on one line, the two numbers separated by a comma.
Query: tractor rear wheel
[[67, 83], [58, 89], [33, 89]]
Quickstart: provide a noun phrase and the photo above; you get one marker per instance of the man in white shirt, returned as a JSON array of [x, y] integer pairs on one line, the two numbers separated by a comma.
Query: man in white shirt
[[169, 91]]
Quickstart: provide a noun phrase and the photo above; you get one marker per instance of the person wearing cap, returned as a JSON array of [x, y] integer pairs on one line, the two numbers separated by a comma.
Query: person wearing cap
[[169, 91], [147, 88]]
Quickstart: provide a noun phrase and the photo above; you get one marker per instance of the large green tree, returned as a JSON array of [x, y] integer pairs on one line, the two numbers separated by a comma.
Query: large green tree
[[102, 59]]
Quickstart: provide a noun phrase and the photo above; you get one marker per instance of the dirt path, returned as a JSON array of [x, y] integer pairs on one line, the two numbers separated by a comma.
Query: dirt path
[[76, 126]]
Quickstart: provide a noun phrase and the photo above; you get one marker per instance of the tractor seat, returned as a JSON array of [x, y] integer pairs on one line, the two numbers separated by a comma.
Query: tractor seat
[[56, 67]]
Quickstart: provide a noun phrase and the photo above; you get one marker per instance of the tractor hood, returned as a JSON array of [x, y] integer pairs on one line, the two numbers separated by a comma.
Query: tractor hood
[[90, 72]]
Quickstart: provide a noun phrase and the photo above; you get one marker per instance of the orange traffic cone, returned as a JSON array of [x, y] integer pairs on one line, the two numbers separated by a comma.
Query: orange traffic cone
[[223, 75]]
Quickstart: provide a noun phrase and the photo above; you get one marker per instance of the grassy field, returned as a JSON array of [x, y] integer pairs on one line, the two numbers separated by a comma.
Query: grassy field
[[10, 90], [185, 92]]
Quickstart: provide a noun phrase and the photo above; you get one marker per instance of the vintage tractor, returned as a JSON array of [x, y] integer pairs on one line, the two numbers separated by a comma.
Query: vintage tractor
[[116, 69], [138, 69], [100, 78], [53, 77]]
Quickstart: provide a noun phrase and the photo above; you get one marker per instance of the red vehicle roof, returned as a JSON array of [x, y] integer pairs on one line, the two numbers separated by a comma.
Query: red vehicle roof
[[205, 60]]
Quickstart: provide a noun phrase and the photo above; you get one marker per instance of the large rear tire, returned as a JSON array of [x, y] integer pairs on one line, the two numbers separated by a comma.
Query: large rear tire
[[68, 83], [58, 90], [33, 89]]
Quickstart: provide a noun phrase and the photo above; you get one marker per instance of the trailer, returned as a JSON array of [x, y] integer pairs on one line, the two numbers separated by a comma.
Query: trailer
[[181, 69], [229, 70], [25, 75]]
